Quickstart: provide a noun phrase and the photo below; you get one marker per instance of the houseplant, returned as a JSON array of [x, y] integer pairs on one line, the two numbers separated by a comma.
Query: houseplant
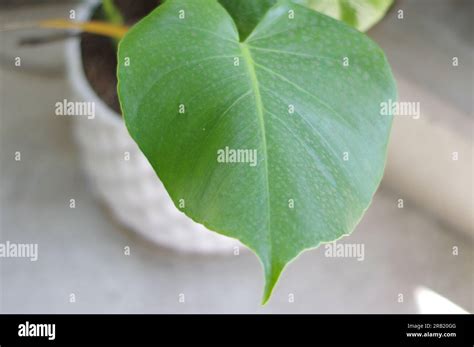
[[300, 90], [120, 174]]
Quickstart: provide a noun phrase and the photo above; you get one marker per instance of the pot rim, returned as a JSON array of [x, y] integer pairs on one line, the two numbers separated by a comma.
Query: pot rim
[[76, 75]]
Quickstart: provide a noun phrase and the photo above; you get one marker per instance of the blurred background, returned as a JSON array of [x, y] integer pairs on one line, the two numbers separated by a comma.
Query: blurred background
[[410, 264]]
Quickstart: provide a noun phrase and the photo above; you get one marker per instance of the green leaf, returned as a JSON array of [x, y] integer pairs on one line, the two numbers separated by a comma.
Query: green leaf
[[247, 13], [192, 90], [361, 14]]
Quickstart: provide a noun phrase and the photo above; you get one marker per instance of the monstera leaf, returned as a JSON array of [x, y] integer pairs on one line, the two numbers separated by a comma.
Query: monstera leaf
[[277, 140], [361, 14]]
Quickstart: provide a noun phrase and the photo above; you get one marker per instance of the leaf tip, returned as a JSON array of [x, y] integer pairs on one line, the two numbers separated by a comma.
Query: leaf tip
[[272, 274]]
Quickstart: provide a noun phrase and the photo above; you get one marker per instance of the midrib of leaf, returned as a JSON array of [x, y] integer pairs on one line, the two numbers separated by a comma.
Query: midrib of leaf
[[269, 283]]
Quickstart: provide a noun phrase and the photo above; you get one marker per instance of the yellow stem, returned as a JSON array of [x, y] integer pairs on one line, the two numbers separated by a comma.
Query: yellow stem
[[93, 27]]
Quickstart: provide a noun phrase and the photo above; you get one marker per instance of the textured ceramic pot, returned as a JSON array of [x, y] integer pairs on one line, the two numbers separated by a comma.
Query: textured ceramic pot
[[123, 177]]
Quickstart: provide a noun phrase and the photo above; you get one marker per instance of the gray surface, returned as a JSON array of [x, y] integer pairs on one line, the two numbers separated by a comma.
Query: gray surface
[[81, 250], [420, 47]]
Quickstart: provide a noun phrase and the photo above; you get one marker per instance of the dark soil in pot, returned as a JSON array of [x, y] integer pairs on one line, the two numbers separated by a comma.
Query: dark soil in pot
[[99, 56]]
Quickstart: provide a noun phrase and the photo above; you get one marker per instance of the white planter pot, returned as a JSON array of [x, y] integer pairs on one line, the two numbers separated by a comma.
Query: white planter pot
[[130, 188]]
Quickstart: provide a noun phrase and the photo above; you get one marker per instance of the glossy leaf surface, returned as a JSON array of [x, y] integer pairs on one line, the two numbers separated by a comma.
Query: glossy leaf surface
[[361, 14], [302, 93]]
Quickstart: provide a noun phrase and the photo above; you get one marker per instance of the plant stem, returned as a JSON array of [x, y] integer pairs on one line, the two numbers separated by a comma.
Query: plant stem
[[113, 15]]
